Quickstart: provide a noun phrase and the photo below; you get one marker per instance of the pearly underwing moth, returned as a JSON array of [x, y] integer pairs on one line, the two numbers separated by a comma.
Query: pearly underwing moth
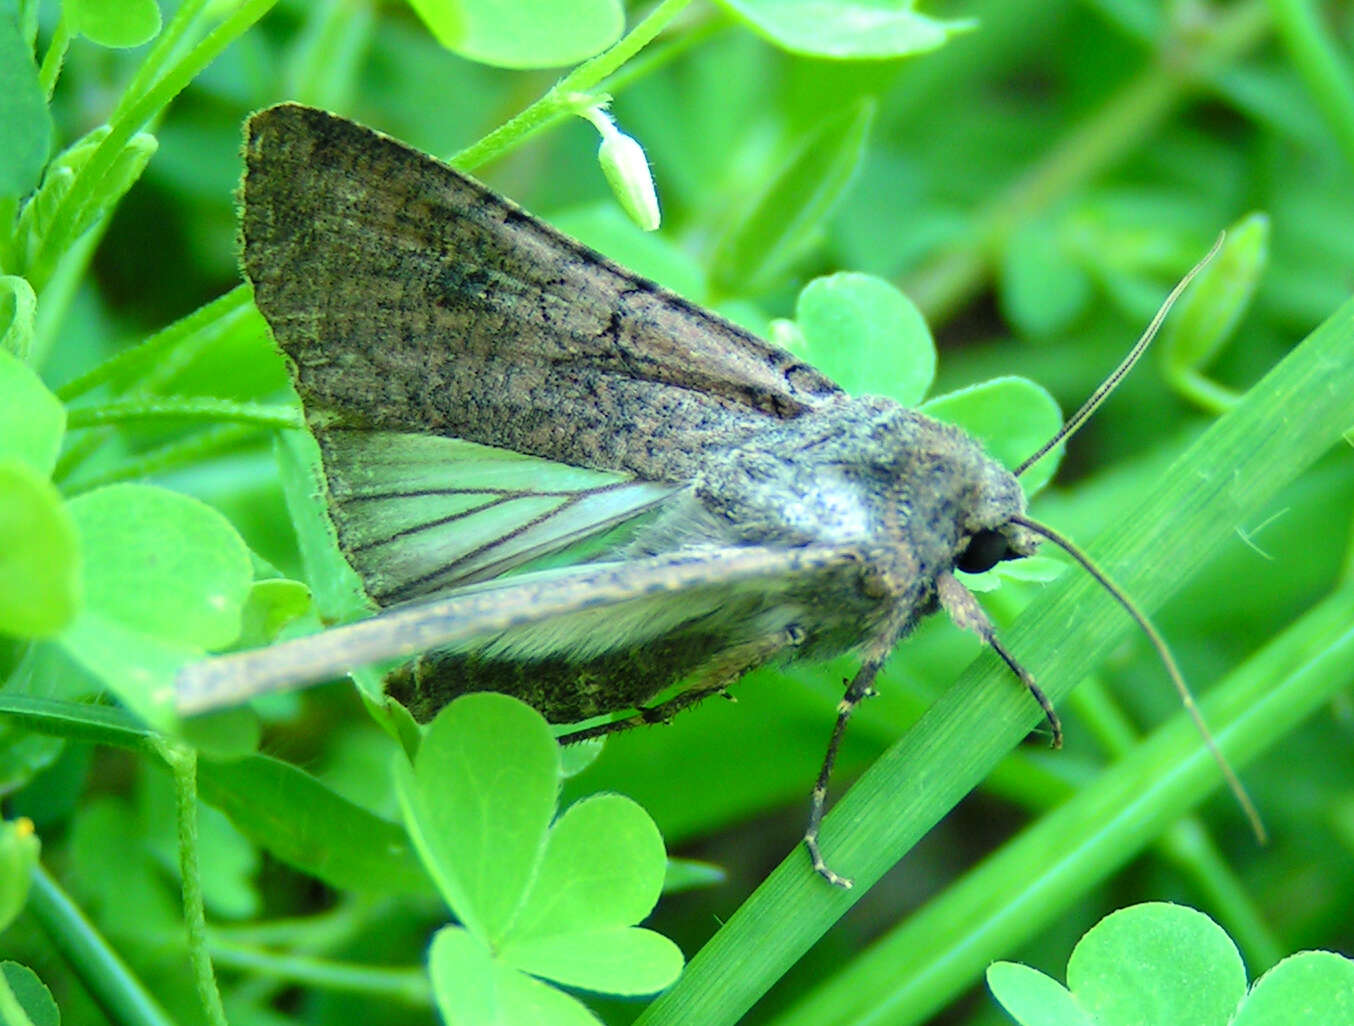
[[561, 481]]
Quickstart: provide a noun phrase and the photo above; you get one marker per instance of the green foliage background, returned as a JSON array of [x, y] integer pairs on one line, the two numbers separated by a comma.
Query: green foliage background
[[1035, 185]]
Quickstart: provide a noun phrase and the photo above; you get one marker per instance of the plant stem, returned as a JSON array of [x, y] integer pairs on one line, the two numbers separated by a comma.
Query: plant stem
[[408, 986], [182, 763], [160, 53], [55, 56], [1318, 62], [956, 274], [110, 983], [262, 415], [211, 320], [90, 177], [182, 452], [560, 100]]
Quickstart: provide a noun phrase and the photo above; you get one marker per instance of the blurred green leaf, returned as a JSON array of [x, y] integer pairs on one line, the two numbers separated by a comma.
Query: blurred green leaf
[[50, 224], [691, 874], [165, 577], [1012, 417], [32, 420], [33, 995], [25, 124], [163, 564], [40, 582], [478, 805], [272, 604], [19, 847], [867, 336], [224, 734], [1043, 287], [114, 876], [763, 243], [868, 29], [1033, 999], [1311, 988], [18, 311], [137, 667], [1167, 958], [526, 33], [114, 23], [309, 826], [474, 990], [1207, 315]]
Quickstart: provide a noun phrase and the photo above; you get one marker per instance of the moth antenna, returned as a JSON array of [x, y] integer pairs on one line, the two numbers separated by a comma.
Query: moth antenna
[[1177, 678], [1107, 386]]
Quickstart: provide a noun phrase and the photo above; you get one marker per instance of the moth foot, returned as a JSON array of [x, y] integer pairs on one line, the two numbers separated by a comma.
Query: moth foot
[[821, 867]]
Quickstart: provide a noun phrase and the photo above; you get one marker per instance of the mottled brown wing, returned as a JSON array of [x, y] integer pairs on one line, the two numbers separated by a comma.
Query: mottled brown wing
[[411, 298]]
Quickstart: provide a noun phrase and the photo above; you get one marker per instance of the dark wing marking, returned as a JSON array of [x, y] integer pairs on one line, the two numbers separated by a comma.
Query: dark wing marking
[[411, 298], [417, 514]]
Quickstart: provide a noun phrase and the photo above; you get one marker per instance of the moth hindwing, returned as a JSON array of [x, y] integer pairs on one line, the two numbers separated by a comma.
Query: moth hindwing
[[675, 500]]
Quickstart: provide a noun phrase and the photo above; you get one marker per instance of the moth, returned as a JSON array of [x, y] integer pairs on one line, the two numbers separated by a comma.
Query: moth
[[563, 482]]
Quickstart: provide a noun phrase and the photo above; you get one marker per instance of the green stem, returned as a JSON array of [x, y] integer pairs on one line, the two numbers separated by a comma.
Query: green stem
[[182, 763], [408, 986], [131, 120], [55, 56], [161, 53], [955, 275], [691, 36], [1320, 66], [560, 101], [110, 983], [28, 22], [208, 322], [262, 415], [1187, 843], [181, 453], [77, 721], [1190, 847], [1203, 391]]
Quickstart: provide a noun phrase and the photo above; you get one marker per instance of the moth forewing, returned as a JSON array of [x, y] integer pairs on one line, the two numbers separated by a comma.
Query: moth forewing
[[564, 613]]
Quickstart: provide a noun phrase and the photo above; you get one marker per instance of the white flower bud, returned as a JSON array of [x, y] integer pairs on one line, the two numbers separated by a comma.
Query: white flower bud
[[627, 170]]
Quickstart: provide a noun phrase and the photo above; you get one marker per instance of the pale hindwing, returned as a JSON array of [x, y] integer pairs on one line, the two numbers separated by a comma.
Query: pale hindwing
[[419, 514]]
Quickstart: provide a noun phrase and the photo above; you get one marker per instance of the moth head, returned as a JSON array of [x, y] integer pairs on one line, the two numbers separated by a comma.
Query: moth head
[[991, 532], [988, 546]]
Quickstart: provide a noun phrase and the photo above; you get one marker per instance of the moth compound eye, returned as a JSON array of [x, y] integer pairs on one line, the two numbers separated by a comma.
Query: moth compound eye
[[984, 551]]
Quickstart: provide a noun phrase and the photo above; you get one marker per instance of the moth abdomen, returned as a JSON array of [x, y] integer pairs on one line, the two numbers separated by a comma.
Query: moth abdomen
[[563, 688]]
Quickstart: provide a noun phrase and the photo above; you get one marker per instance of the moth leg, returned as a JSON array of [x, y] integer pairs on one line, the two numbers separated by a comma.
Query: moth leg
[[712, 678], [860, 688], [966, 613]]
